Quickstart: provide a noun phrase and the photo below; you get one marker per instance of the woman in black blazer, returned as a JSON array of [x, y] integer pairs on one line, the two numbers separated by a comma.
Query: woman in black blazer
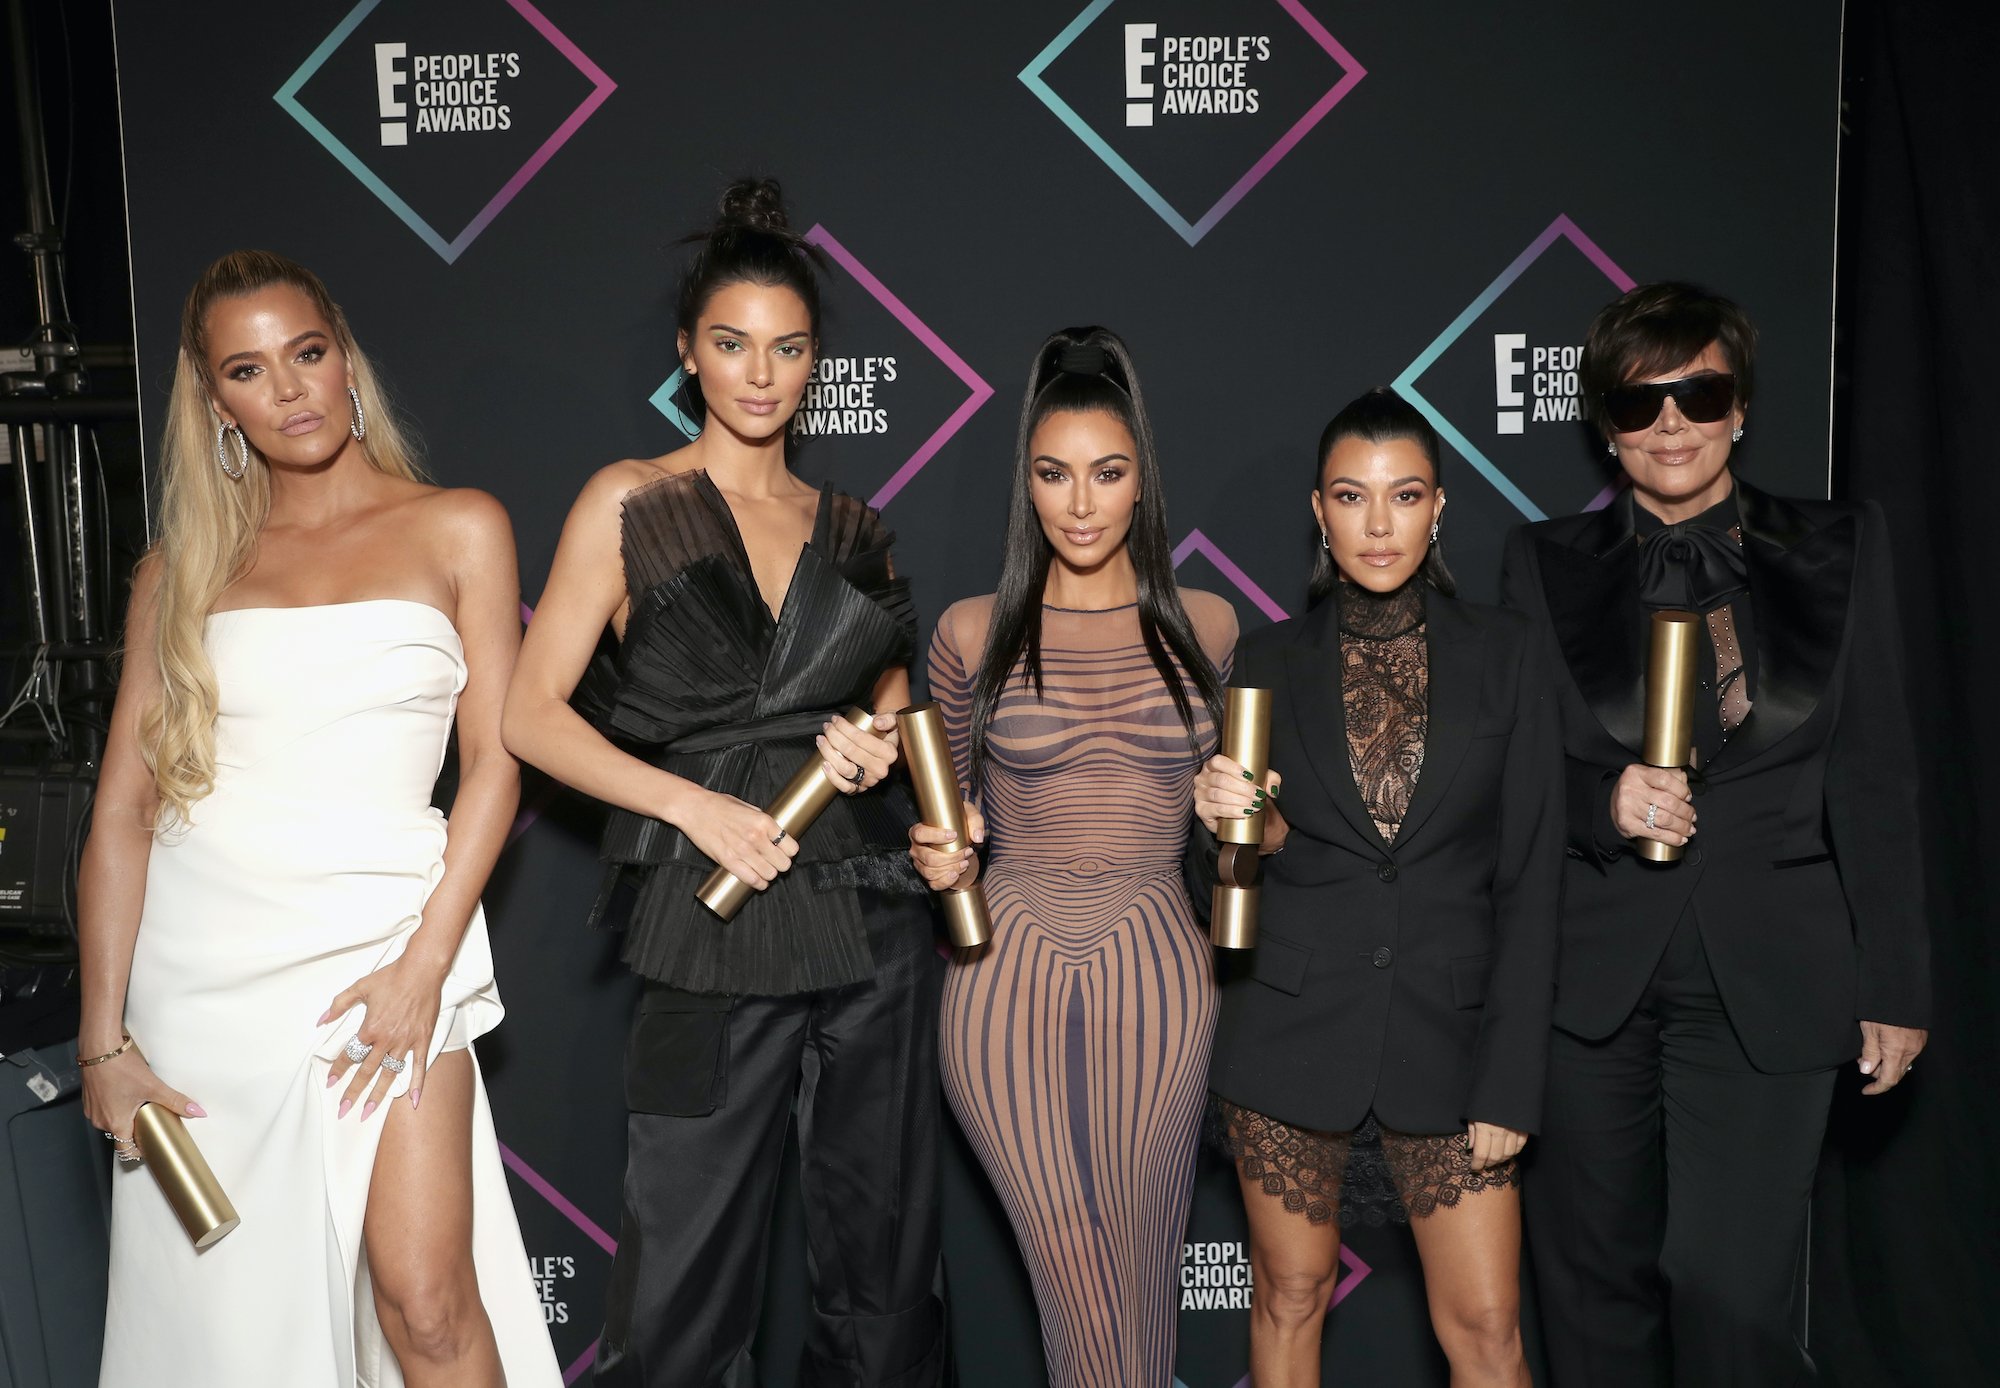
[[1401, 986], [1705, 1005]]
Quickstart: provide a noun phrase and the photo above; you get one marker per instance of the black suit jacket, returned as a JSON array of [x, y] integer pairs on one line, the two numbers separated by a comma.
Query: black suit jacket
[[1413, 978], [1805, 878]]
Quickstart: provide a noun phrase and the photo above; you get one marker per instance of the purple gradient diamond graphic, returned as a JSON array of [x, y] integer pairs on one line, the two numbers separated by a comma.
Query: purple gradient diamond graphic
[[1198, 543], [666, 398], [1561, 229], [450, 247], [1356, 1272], [564, 1206], [1351, 72]]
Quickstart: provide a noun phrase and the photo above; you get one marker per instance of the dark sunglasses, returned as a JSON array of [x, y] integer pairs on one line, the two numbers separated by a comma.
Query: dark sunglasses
[[1702, 400]]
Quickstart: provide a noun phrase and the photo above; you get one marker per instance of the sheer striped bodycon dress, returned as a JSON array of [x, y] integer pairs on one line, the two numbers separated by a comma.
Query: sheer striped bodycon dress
[[1075, 1045]]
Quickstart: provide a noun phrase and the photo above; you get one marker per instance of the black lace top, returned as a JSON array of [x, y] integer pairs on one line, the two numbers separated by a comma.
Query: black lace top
[[1385, 693], [711, 685]]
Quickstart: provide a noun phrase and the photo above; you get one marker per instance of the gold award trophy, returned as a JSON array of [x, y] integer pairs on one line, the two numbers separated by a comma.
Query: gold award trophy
[[183, 1175], [935, 781], [1670, 694], [795, 809], [1246, 740]]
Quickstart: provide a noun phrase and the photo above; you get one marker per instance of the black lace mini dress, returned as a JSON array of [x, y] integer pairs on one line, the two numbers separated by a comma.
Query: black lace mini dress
[[1372, 1175]]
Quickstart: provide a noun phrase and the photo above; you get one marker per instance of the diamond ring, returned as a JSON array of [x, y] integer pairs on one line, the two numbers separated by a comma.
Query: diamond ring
[[1652, 813], [357, 1049], [395, 1065]]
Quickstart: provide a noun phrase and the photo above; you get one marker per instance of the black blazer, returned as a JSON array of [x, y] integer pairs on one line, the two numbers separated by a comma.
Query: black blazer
[[1805, 878], [1415, 978]]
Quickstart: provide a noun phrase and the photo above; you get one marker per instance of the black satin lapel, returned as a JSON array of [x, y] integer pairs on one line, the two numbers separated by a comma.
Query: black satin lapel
[[1455, 647], [1593, 597], [1800, 587], [1313, 665]]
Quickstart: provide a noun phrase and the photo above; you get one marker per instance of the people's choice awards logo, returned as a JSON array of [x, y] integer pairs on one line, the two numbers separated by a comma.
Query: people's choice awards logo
[[1192, 102], [445, 112], [1191, 74], [1500, 383], [1551, 386], [884, 397]]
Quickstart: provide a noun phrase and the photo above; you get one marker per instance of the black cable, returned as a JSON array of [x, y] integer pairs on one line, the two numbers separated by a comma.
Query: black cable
[[103, 531], [73, 863], [69, 135]]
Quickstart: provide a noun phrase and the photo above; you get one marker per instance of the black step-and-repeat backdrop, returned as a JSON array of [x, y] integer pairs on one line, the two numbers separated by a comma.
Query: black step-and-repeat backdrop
[[1278, 202]]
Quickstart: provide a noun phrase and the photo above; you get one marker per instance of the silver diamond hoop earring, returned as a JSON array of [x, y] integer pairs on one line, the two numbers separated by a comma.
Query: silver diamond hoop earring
[[222, 433], [1323, 544], [1736, 436], [358, 426]]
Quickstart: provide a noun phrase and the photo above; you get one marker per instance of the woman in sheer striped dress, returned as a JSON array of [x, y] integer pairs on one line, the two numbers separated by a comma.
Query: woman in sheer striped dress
[[1081, 698]]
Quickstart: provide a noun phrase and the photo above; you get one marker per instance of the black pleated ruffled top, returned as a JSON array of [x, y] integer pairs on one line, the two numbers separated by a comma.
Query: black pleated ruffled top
[[710, 685]]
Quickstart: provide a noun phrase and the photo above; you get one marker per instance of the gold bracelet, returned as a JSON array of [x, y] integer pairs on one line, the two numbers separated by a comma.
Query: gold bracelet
[[108, 1055]]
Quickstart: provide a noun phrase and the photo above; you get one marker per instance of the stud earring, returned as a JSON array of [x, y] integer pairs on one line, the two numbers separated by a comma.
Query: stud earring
[[1611, 448], [1736, 435]]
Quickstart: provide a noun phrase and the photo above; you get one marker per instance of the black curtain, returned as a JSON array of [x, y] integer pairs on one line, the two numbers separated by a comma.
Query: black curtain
[[1908, 1205]]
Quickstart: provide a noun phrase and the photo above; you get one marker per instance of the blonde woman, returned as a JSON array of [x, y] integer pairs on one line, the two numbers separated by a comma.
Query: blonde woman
[[280, 938]]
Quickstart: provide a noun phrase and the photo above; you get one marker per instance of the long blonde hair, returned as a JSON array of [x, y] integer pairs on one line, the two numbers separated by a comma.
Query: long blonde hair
[[209, 522]]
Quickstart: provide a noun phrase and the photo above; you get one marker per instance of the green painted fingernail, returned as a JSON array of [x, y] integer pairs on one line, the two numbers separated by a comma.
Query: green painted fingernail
[[1248, 777]]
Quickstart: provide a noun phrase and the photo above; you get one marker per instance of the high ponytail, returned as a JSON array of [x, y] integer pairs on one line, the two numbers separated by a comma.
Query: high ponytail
[[1083, 371]]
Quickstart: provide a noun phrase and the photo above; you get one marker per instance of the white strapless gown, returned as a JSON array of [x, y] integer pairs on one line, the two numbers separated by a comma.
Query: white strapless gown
[[304, 870]]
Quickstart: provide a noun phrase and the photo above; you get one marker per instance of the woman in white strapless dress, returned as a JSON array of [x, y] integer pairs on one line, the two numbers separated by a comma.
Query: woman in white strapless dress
[[267, 891]]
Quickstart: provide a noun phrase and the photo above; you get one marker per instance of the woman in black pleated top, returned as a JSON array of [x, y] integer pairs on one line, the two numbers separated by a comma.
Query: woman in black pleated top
[[751, 610]]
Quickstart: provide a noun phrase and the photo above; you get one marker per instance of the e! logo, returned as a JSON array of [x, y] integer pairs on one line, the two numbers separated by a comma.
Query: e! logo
[[1508, 369], [1138, 91], [388, 78]]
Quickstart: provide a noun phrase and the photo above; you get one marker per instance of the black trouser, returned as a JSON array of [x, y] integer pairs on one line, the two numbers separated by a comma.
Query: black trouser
[[1667, 1196], [710, 1083]]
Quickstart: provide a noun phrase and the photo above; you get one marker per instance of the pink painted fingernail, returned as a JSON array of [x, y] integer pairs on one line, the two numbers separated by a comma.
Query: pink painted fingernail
[[195, 1110], [324, 1017], [414, 1096], [367, 1109], [331, 1079], [345, 1105]]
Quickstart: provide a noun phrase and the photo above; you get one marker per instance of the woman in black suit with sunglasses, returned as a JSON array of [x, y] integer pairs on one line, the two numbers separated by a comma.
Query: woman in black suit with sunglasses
[[1705, 1007]]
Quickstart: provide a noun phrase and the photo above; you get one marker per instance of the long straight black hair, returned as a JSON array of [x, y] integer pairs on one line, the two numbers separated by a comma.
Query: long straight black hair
[[1087, 370], [1379, 416]]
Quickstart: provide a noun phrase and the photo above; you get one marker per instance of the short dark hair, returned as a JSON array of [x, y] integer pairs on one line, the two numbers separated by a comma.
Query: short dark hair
[[1657, 327], [1379, 416]]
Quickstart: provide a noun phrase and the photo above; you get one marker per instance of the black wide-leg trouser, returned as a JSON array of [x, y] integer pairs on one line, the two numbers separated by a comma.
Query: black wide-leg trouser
[[710, 1083], [1667, 1196]]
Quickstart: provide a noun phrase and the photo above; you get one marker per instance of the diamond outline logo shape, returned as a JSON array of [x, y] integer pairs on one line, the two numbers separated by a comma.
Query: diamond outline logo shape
[[1405, 385], [1198, 543], [288, 97], [565, 1207], [1357, 1270], [979, 392], [1191, 232]]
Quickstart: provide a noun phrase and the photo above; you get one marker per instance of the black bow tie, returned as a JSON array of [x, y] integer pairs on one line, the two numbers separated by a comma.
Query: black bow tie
[[1691, 567]]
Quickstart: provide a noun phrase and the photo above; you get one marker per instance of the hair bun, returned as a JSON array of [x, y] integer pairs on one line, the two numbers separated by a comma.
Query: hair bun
[[755, 203], [1082, 359]]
